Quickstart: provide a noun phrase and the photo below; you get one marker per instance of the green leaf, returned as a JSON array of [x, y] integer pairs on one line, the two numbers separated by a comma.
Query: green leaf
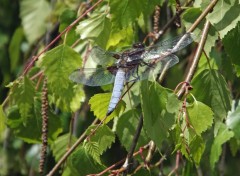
[[197, 147], [2, 120], [234, 145], [237, 68], [158, 118], [230, 40], [97, 27], [58, 64], [77, 98], [200, 116], [99, 105], [120, 37], [81, 163], [23, 94], [61, 145], [92, 149], [126, 129], [233, 121], [104, 137], [14, 47], [34, 15], [225, 16], [126, 12], [191, 145], [222, 136], [30, 130], [189, 17], [210, 88]]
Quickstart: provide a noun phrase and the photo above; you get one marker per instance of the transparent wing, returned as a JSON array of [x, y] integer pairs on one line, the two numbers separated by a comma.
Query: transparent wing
[[168, 47], [93, 76], [151, 70], [103, 57]]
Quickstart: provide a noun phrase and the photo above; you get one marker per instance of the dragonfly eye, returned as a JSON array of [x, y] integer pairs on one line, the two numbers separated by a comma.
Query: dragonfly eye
[[138, 45], [116, 56]]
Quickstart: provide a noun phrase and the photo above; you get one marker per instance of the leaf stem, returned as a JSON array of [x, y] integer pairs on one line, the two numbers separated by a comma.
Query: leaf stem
[[133, 146]]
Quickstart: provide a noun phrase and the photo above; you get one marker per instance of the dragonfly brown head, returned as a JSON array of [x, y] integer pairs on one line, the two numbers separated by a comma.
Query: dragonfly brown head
[[138, 45]]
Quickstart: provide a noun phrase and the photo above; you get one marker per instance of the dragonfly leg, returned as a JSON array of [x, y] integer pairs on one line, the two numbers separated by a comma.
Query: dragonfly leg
[[135, 76], [148, 64]]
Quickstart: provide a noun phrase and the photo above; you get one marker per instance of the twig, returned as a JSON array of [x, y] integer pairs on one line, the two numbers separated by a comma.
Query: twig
[[178, 12], [133, 146], [177, 164], [75, 145], [162, 31], [195, 60], [119, 162], [151, 150], [203, 15]]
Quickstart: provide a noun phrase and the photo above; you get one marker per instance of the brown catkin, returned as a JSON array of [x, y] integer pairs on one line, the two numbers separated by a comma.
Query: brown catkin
[[44, 127], [156, 19]]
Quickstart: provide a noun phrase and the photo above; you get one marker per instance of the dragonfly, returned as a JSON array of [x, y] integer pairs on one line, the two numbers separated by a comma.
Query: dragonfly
[[133, 64]]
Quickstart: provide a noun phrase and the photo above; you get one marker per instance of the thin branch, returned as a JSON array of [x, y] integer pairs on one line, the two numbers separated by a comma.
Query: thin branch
[[169, 23], [195, 60], [66, 155], [203, 15], [177, 164], [178, 12], [129, 158], [120, 162]]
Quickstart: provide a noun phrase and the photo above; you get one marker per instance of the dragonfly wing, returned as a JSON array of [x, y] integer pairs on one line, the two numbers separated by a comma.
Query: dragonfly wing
[[93, 76], [152, 69], [169, 46], [102, 57]]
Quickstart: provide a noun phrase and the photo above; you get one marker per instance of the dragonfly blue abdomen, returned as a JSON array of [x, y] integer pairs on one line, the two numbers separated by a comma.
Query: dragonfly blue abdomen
[[117, 90]]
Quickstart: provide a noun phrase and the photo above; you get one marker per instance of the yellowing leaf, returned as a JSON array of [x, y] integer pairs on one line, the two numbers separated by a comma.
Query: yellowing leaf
[[99, 105], [2, 120]]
